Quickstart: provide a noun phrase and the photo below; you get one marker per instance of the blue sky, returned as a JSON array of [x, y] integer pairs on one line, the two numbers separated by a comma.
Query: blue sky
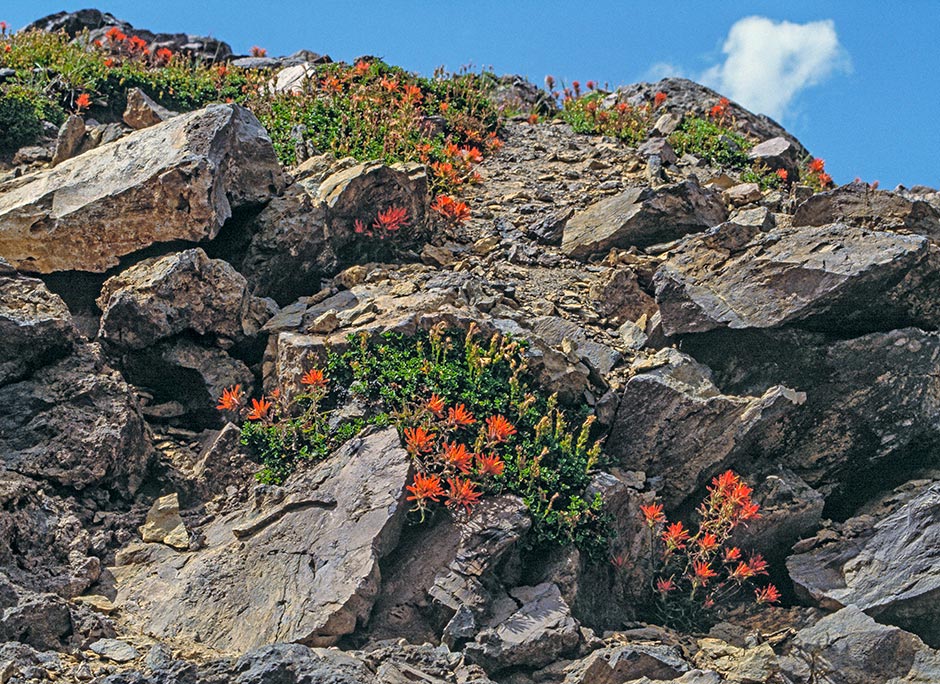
[[858, 83]]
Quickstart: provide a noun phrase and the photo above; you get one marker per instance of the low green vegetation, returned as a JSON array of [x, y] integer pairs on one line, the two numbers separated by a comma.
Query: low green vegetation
[[712, 142]]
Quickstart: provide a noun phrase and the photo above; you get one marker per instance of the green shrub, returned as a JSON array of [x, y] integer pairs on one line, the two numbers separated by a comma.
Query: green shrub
[[20, 119], [711, 142]]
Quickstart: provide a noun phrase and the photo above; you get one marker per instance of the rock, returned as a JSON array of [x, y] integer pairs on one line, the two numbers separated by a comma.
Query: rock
[[550, 229], [164, 523], [658, 147], [753, 664], [560, 333], [617, 295], [828, 277], [778, 153], [164, 296], [179, 180], [143, 112], [789, 510], [539, 632], [69, 139], [848, 647], [306, 555], [296, 663], [293, 79], [35, 326], [622, 664], [859, 205], [642, 217], [76, 423], [114, 649], [742, 194], [32, 154], [433, 255], [889, 571], [39, 620], [674, 423]]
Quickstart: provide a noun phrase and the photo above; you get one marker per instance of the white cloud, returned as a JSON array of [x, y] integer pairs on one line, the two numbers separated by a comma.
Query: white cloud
[[662, 70], [768, 63]]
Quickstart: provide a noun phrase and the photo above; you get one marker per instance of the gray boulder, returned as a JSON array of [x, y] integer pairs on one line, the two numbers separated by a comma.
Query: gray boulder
[[143, 112], [858, 204], [779, 153], [642, 216], [889, 570], [305, 557], [179, 180]]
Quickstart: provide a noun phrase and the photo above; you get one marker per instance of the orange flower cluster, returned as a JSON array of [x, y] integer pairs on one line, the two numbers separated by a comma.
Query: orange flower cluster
[[266, 409], [700, 571], [439, 445], [83, 101], [719, 110], [386, 224], [816, 174], [451, 209]]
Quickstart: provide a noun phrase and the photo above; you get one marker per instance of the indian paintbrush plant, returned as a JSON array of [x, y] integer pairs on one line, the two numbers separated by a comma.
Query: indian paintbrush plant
[[468, 414], [697, 574]]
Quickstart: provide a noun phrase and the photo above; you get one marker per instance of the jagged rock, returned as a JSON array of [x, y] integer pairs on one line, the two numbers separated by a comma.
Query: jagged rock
[[143, 112], [69, 140], [39, 620], [789, 510], [756, 663], [536, 630], [97, 23], [889, 571], [33, 154], [848, 647], [35, 326], [292, 79], [828, 277], [309, 233], [744, 193], [164, 296], [622, 664], [179, 180], [445, 571], [306, 555], [871, 401], [778, 153], [75, 422], [296, 663], [641, 217], [114, 649], [858, 204], [571, 337], [674, 422], [164, 523], [618, 296]]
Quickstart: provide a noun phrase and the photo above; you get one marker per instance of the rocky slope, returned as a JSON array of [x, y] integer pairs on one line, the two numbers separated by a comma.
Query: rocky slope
[[707, 324]]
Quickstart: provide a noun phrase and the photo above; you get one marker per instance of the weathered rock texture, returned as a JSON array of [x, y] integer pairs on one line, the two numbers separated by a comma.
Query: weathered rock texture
[[302, 564], [179, 180]]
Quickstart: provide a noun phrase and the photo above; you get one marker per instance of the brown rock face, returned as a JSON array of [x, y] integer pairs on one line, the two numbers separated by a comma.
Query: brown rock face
[[179, 180], [301, 565]]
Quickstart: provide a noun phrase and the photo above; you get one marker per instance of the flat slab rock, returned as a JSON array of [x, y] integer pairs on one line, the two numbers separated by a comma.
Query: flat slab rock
[[890, 572], [829, 275], [300, 565], [178, 180]]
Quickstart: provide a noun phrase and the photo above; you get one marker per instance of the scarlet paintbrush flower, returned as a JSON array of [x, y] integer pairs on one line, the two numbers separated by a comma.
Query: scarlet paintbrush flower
[[231, 399], [164, 54], [664, 586], [389, 85], [732, 554], [549, 82], [749, 511], [137, 44], [758, 564], [456, 455], [724, 483], [258, 51], [314, 378], [418, 440], [825, 179], [781, 174], [659, 98], [702, 572], [619, 561], [435, 405], [425, 488], [412, 92], [768, 594], [83, 101], [392, 219], [498, 429], [359, 227], [471, 154], [708, 542], [3, 27], [462, 492], [362, 67], [490, 465], [459, 416], [259, 409], [115, 35], [817, 165], [675, 536], [742, 571], [449, 208], [653, 513]]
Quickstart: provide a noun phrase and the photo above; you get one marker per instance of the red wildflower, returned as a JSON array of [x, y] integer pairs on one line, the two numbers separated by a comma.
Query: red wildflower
[[425, 488], [258, 51], [259, 409], [549, 82], [675, 536], [577, 87], [532, 119], [412, 92], [137, 44], [590, 85], [490, 465], [418, 440], [444, 107], [389, 85], [462, 492], [391, 219], [664, 586], [498, 429], [782, 174], [732, 554], [653, 513], [460, 416], [724, 483], [3, 27], [825, 179], [817, 165], [768, 594], [742, 571], [115, 35], [360, 227], [708, 542], [749, 511], [456, 455], [450, 209], [619, 561], [164, 54], [702, 572], [362, 67], [231, 399], [314, 378], [658, 99], [758, 564], [83, 101], [471, 154], [109, 62], [435, 405]]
